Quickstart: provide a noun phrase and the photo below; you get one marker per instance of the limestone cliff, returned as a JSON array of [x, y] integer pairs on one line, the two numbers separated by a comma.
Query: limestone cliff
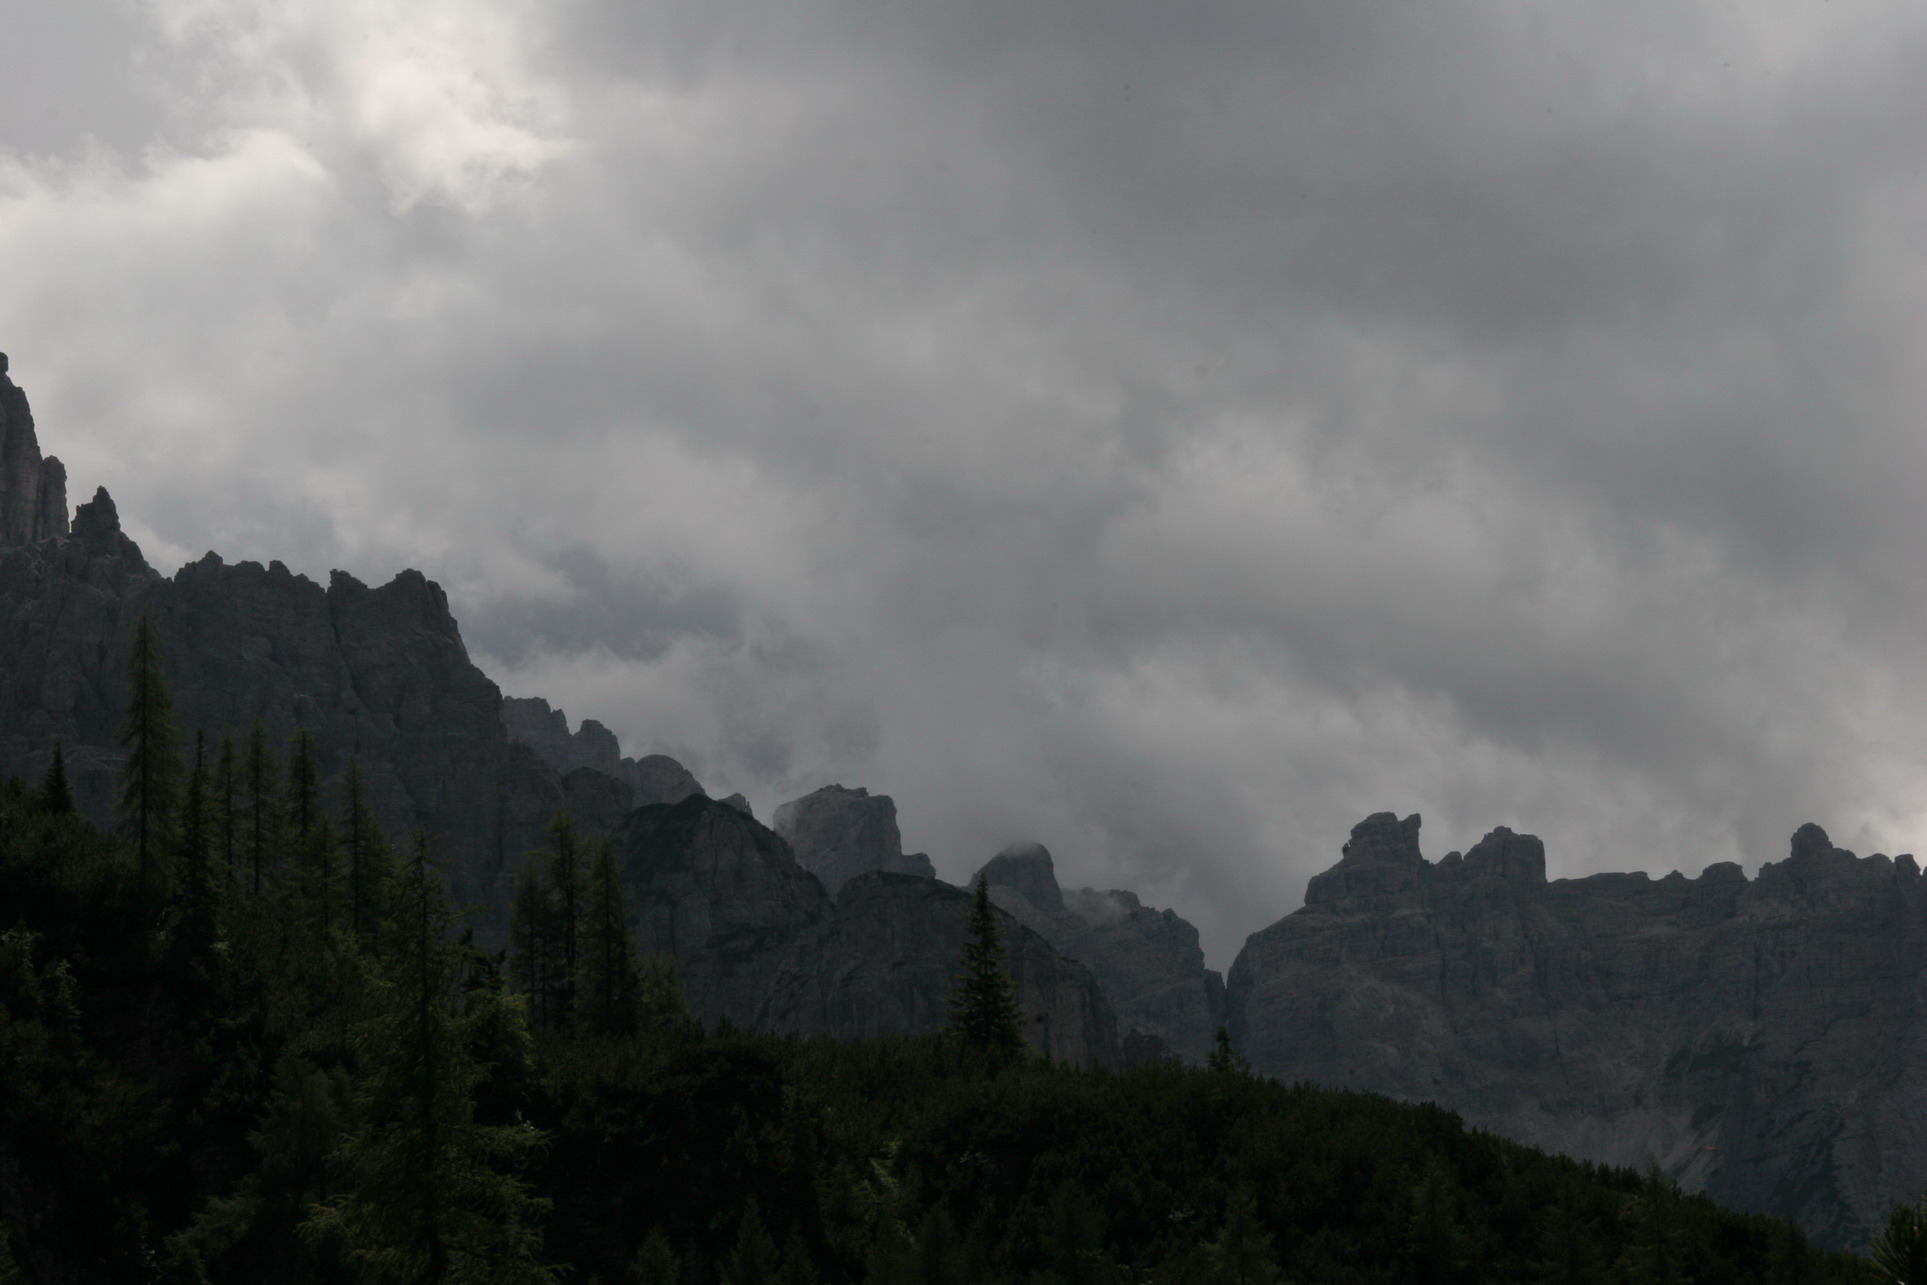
[[33, 489], [653, 778], [1764, 1041], [838, 834], [1147, 962], [379, 675], [763, 944]]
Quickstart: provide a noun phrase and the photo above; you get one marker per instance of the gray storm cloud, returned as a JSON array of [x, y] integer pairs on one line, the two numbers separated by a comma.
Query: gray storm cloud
[[1168, 433]]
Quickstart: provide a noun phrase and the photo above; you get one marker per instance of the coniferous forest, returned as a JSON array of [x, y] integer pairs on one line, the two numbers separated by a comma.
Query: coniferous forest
[[247, 1037]]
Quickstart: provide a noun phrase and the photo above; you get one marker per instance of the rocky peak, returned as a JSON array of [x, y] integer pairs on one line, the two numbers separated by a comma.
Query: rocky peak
[[1810, 841], [1759, 1039], [1148, 962], [1382, 837], [1027, 868], [839, 833], [1516, 858], [654, 778], [97, 526], [1380, 858], [33, 490]]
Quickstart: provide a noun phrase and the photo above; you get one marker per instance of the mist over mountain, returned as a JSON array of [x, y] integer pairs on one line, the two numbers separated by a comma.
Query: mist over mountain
[[1755, 1039], [1165, 440]]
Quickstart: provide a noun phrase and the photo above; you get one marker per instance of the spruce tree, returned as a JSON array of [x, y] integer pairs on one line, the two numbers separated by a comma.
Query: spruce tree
[[226, 822], [532, 939], [984, 1019], [1226, 1058], [565, 889], [304, 785], [360, 843], [197, 906], [1242, 1252], [1652, 1256], [318, 876], [151, 777], [1900, 1250], [427, 1194], [754, 1260], [611, 982], [655, 1263], [262, 783], [56, 797]]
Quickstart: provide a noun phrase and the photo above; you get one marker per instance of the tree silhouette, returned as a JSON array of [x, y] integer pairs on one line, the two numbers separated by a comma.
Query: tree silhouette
[[611, 993], [1900, 1250], [261, 781], [56, 795], [150, 780], [429, 1194], [983, 1007], [197, 911]]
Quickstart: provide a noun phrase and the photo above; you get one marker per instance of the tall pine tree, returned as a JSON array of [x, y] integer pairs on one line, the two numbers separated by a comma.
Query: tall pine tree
[[263, 788], [565, 888], [150, 781], [427, 1194], [304, 785], [226, 822], [611, 983], [56, 796], [362, 846], [532, 952], [197, 890], [983, 1007]]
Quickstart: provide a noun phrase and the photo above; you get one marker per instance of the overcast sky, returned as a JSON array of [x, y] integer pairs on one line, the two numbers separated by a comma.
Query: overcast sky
[[1168, 431]]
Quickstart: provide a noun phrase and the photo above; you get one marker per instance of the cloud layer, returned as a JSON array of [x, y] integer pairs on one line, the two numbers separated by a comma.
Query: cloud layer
[[1166, 434]]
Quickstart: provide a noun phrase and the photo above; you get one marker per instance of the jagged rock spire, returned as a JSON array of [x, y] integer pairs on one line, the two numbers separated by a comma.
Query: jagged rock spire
[[33, 490]]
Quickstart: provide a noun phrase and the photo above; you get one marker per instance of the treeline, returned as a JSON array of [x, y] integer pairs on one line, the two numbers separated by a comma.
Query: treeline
[[246, 1039]]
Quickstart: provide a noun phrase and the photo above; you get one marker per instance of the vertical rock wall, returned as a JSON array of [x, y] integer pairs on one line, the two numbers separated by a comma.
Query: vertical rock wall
[[33, 490]]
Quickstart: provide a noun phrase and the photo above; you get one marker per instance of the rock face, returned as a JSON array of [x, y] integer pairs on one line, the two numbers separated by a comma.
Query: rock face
[[654, 778], [762, 943], [1148, 962], [379, 675], [838, 834], [1765, 1042], [33, 490]]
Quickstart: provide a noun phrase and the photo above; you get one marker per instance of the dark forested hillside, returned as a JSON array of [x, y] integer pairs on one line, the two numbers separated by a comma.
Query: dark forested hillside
[[272, 1056]]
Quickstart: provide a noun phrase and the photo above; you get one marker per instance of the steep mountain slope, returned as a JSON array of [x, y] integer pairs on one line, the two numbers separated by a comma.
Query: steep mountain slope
[[1148, 962], [838, 833], [763, 944], [1765, 1041]]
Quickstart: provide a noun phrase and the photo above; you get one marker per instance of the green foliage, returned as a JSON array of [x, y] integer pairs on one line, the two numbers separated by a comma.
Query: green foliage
[[56, 795], [225, 821], [1900, 1250], [655, 1263], [1655, 1251], [304, 785], [611, 984], [374, 1106], [984, 1019], [1226, 1059], [566, 897], [427, 1193], [195, 926], [150, 780], [1242, 1254], [261, 792], [362, 846], [533, 955], [754, 1260]]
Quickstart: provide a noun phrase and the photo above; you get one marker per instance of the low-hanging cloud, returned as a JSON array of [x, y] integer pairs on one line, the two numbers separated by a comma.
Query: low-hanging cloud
[[1167, 434]]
